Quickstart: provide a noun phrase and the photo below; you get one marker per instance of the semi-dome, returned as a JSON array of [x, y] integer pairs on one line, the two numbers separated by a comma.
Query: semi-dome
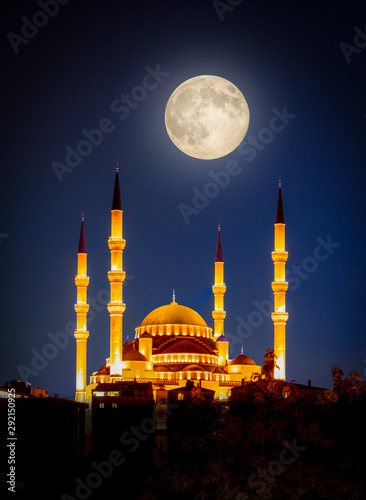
[[173, 314], [195, 368], [103, 370], [162, 368], [186, 346]]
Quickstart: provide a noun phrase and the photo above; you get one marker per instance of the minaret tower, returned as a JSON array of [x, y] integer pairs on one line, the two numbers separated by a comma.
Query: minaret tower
[[116, 276], [219, 289], [279, 287], [81, 307]]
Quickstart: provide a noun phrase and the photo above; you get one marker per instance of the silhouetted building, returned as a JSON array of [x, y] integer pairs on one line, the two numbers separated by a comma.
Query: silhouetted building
[[49, 433]]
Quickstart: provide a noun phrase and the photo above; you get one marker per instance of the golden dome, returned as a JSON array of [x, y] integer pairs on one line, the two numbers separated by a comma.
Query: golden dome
[[173, 314]]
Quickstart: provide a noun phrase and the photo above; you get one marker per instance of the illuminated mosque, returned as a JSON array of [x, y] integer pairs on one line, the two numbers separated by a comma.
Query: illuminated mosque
[[173, 344]]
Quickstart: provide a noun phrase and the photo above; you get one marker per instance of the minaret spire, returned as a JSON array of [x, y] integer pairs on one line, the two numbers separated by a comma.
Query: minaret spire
[[219, 289], [279, 287], [219, 256], [116, 276], [117, 203], [81, 308], [82, 245], [280, 218]]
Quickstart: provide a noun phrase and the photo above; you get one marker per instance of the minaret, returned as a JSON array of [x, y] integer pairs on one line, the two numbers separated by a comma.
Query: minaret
[[279, 287], [81, 307], [116, 276], [219, 289]]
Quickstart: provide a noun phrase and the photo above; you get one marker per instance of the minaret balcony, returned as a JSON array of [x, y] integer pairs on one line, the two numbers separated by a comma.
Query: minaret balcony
[[218, 314], [279, 256], [116, 243], [81, 334], [279, 286], [279, 317], [116, 276], [116, 308], [219, 288], [81, 308], [81, 280]]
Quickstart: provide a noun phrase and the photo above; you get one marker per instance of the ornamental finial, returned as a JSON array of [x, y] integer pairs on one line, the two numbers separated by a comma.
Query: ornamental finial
[[173, 294], [242, 350], [82, 216], [279, 182]]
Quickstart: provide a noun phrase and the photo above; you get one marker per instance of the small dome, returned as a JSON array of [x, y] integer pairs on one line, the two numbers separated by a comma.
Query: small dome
[[222, 338], [242, 359], [186, 346], [133, 355], [173, 314]]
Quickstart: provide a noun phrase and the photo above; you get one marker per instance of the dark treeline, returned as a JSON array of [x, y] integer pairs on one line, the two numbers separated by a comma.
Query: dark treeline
[[275, 445]]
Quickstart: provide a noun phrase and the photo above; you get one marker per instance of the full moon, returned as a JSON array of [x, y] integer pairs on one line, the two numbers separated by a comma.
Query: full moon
[[207, 117]]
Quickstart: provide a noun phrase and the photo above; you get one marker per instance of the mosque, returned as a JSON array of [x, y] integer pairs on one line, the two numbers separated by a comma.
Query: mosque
[[173, 344]]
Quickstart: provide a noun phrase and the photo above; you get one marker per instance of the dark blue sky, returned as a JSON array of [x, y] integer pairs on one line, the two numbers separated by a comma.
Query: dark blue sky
[[68, 78]]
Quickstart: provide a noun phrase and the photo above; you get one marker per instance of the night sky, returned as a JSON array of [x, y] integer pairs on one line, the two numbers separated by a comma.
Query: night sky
[[295, 61]]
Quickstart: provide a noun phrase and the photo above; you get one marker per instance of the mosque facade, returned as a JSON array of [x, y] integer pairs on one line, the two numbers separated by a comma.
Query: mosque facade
[[173, 344]]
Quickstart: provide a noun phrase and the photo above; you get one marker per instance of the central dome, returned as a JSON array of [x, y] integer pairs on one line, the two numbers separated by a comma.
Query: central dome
[[173, 314]]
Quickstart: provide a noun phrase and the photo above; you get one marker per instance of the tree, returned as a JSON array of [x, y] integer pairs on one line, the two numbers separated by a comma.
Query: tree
[[269, 364], [344, 389]]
